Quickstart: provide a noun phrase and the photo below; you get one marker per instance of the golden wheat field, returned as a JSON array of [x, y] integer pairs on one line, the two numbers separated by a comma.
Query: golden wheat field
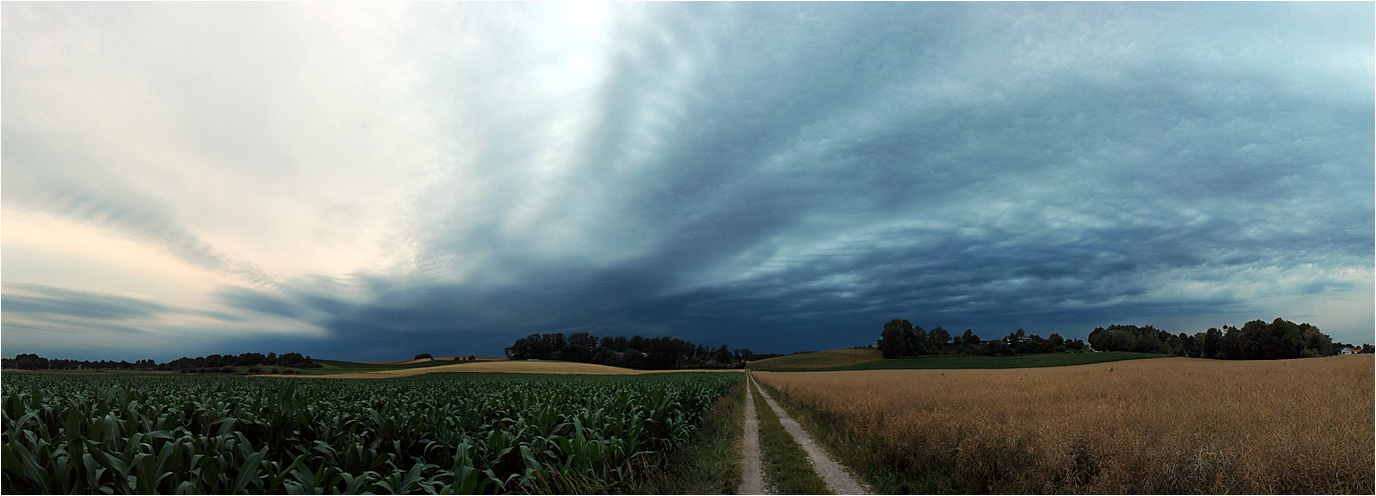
[[1151, 426]]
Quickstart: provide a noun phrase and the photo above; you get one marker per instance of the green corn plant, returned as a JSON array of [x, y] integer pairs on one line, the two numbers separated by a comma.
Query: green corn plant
[[235, 435]]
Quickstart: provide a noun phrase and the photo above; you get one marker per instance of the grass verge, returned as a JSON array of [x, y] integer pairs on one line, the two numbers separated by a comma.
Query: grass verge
[[785, 463], [711, 463]]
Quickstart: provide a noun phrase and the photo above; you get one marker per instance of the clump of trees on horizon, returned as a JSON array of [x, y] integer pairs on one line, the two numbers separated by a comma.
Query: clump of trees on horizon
[[901, 338], [636, 352], [206, 364], [1256, 340]]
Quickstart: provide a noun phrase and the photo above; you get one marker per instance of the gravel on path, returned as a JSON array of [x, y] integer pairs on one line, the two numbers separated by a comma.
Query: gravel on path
[[838, 481]]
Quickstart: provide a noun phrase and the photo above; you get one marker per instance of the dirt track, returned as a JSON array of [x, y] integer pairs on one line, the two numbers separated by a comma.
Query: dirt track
[[837, 479]]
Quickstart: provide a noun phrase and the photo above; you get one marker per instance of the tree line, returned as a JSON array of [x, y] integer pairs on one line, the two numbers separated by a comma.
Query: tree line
[[900, 338], [1255, 340], [636, 352], [205, 364]]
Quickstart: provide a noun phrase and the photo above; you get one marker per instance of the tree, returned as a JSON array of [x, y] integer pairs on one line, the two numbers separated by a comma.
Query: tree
[[892, 343], [998, 347], [1213, 340], [1110, 339], [559, 342], [938, 338], [424, 355], [915, 340], [532, 347], [583, 339], [575, 353], [722, 355], [1318, 342]]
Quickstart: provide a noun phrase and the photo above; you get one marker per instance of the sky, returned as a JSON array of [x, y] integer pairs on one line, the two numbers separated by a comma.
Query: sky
[[373, 181]]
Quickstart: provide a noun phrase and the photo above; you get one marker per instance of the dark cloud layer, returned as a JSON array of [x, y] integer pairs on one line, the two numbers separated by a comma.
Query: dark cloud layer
[[786, 177]]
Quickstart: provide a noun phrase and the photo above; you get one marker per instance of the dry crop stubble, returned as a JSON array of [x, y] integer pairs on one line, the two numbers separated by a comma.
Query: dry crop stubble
[[1152, 426]]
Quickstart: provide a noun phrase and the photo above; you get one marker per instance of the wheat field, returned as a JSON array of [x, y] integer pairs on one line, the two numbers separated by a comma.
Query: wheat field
[[1168, 425]]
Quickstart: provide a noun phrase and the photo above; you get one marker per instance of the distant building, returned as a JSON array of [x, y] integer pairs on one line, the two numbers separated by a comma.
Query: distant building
[[1348, 351]]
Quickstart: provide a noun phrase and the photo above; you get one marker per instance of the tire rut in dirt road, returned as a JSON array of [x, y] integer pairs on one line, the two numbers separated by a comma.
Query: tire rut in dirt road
[[838, 480], [752, 465]]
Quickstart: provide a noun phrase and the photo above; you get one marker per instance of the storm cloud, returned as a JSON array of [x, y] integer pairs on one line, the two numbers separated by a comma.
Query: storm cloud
[[370, 181]]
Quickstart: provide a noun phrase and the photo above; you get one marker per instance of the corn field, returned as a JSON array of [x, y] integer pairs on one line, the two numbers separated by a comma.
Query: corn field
[[439, 434]]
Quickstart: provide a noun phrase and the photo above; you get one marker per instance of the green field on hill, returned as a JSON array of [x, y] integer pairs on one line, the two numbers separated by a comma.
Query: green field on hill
[[949, 362], [818, 359]]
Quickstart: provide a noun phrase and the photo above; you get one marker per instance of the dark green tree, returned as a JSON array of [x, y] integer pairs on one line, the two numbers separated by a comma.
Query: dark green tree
[[892, 343], [937, 339], [1213, 341], [916, 339], [722, 354]]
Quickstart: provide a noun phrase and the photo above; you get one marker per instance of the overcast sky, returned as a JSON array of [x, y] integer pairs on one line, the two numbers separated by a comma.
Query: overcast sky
[[373, 181]]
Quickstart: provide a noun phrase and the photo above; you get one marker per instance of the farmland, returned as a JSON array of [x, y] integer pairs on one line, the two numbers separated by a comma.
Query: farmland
[[438, 433], [1166, 425], [957, 424], [819, 359]]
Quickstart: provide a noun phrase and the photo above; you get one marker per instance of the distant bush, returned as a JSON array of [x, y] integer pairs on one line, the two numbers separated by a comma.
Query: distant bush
[[423, 355]]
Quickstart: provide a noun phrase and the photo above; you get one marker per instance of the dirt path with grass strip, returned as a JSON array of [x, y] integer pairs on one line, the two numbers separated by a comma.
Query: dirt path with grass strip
[[836, 477], [752, 462]]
